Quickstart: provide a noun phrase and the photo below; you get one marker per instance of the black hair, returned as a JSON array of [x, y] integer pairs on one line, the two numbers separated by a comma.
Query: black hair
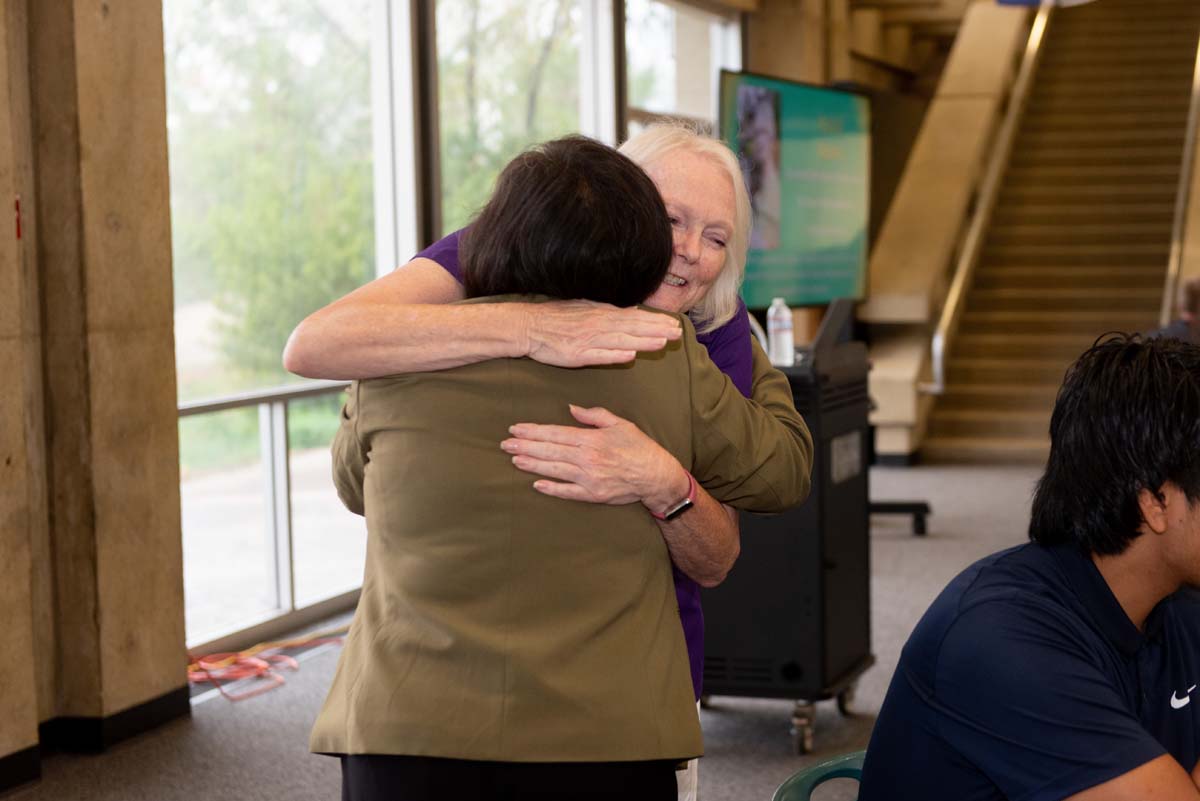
[[570, 218], [1126, 419]]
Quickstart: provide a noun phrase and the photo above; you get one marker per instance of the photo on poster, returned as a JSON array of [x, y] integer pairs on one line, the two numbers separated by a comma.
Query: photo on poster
[[759, 151]]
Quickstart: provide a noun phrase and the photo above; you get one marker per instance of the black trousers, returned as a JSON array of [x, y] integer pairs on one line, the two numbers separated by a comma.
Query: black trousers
[[373, 777]]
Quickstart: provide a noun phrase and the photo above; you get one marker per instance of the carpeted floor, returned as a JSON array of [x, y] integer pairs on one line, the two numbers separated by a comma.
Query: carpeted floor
[[258, 748]]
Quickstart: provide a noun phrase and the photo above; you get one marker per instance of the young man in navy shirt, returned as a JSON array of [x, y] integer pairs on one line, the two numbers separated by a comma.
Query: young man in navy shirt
[[1068, 667]]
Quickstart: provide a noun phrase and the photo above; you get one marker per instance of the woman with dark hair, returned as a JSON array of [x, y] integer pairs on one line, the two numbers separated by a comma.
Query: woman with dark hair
[[508, 643]]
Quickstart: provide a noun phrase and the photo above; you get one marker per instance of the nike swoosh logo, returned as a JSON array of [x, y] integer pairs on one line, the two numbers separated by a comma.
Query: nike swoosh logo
[[1180, 703]]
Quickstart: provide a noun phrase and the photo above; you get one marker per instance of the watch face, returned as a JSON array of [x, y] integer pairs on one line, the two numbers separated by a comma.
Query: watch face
[[683, 506]]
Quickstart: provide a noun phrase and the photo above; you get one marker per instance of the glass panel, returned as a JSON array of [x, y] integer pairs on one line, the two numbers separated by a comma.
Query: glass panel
[[674, 53], [508, 76], [650, 55], [328, 542], [269, 127], [227, 550]]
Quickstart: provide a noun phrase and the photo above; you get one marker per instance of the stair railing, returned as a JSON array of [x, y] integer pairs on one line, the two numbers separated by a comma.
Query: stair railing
[[1182, 198], [985, 201]]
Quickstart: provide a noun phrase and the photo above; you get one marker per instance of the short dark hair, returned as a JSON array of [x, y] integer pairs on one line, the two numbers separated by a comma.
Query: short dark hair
[[1126, 419], [570, 218]]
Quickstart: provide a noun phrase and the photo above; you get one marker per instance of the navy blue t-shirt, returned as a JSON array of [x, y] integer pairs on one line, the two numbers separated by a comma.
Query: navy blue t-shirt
[[1025, 680]]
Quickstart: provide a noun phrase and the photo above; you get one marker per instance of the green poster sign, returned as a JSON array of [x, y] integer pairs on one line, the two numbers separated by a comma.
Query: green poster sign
[[805, 156]]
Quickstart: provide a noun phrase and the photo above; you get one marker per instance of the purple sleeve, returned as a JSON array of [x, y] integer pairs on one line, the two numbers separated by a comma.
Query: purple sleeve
[[445, 253], [729, 348]]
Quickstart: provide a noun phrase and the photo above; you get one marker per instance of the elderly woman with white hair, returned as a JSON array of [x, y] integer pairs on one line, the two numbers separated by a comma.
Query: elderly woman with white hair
[[400, 323]]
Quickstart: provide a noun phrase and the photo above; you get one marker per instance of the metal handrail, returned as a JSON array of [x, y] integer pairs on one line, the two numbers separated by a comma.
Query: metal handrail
[[1182, 198], [986, 201], [260, 396]]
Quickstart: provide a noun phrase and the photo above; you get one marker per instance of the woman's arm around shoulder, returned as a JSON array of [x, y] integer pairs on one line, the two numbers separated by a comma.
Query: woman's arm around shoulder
[[400, 323]]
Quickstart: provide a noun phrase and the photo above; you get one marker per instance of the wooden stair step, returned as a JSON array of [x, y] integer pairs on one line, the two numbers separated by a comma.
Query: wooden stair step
[[1052, 277], [1150, 177], [1012, 423], [1005, 254], [1134, 27], [1061, 347], [999, 396], [1081, 83], [1099, 47], [1065, 38], [1138, 31], [1090, 323], [985, 450], [1029, 155], [1104, 118], [1034, 192], [1077, 212], [1139, 58], [992, 371], [1063, 73], [1100, 139], [1140, 173], [1145, 300], [1050, 232], [1071, 103]]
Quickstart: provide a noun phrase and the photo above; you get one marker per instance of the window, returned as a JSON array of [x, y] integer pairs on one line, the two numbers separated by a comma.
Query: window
[[293, 138], [270, 127], [674, 53], [512, 73]]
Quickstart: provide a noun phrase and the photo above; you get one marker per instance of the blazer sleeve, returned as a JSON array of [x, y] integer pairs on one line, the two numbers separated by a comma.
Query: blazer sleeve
[[349, 455], [755, 454]]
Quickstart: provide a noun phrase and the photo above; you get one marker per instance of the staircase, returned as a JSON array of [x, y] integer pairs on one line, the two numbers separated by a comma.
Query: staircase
[[1080, 238]]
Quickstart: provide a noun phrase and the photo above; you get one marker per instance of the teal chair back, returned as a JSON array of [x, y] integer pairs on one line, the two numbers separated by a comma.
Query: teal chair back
[[800, 785]]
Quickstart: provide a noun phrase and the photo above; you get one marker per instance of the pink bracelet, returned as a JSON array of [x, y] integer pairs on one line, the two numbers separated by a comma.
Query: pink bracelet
[[677, 508]]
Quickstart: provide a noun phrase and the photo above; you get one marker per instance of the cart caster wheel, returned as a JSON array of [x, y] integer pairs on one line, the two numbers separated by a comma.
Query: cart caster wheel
[[844, 700], [706, 702], [804, 722], [802, 740]]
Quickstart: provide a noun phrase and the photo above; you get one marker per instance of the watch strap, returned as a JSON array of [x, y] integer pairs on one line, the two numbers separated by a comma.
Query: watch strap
[[676, 509]]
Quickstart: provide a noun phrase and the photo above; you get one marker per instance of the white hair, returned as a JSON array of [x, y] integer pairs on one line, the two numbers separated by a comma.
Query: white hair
[[656, 143]]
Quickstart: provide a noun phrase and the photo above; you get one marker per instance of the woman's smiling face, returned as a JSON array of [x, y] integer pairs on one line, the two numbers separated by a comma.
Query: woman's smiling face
[[699, 199]]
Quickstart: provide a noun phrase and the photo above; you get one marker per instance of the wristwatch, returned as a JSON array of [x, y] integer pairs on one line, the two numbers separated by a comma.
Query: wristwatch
[[676, 509]]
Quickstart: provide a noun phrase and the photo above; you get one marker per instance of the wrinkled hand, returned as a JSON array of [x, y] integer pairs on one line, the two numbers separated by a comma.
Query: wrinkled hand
[[612, 462], [578, 333]]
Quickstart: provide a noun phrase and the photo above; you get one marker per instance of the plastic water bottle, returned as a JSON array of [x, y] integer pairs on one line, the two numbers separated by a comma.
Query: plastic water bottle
[[781, 345]]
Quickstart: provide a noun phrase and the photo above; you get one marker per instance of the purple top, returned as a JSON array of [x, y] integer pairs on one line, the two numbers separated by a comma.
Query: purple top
[[729, 348]]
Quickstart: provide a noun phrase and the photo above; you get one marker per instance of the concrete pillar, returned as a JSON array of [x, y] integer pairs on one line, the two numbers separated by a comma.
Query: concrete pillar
[[83, 141], [897, 44], [23, 525], [866, 31], [787, 39], [840, 66], [103, 196]]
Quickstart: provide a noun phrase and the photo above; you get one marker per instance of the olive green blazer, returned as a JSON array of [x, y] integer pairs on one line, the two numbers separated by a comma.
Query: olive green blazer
[[497, 623]]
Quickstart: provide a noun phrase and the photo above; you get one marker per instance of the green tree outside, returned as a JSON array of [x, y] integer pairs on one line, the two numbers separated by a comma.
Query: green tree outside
[[271, 171]]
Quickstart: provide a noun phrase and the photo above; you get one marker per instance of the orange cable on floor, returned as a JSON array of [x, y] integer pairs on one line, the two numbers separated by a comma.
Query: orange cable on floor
[[258, 662]]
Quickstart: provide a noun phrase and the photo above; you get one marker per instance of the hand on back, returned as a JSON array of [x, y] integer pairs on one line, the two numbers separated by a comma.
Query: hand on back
[[579, 333], [610, 461]]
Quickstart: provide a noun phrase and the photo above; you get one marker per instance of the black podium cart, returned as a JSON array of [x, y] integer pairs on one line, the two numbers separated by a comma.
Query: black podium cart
[[793, 618]]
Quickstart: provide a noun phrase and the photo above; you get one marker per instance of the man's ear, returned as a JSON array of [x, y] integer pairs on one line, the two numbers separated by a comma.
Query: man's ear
[[1153, 505]]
